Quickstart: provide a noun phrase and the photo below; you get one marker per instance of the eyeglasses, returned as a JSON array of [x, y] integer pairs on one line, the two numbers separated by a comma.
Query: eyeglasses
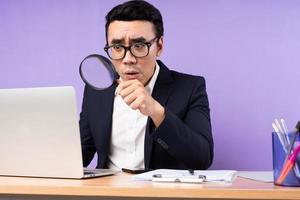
[[138, 50]]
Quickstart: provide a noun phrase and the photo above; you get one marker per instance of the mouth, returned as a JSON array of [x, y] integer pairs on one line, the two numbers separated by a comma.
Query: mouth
[[129, 75]]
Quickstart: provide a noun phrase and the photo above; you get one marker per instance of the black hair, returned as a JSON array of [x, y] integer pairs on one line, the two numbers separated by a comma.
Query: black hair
[[136, 10]]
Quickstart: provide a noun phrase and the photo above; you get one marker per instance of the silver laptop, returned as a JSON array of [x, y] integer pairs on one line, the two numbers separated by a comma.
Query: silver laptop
[[39, 134]]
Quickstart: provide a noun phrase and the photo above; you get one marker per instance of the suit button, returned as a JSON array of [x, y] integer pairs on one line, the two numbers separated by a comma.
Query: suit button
[[162, 143]]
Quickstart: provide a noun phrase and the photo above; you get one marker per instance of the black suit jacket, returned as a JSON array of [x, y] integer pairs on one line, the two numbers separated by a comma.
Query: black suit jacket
[[183, 140]]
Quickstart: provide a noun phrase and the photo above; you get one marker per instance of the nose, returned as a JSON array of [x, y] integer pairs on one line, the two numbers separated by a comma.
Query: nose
[[129, 58]]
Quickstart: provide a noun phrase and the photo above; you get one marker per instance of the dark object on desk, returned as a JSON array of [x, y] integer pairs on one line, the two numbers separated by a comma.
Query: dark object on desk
[[134, 170], [191, 171]]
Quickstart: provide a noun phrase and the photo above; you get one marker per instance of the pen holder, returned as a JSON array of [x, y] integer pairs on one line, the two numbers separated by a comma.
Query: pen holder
[[279, 157]]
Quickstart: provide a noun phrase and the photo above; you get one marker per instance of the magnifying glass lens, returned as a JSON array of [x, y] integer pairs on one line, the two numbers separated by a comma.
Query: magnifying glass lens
[[97, 71]]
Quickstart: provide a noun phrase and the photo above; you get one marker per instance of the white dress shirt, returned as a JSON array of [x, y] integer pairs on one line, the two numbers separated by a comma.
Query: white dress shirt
[[128, 133]]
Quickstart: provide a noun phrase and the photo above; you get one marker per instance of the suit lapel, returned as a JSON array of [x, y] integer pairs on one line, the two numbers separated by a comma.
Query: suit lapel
[[161, 93]]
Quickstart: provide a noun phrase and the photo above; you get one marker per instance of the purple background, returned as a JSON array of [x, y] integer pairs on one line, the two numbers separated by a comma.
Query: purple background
[[248, 51]]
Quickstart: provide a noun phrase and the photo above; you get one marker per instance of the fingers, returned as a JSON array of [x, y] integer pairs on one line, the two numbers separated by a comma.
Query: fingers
[[130, 89], [126, 87], [138, 103], [136, 96], [137, 99], [133, 93]]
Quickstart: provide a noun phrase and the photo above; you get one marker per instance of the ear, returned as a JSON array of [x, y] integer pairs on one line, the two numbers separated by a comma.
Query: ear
[[160, 46]]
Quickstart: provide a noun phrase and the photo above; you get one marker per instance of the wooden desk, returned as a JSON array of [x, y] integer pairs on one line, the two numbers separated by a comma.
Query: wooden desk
[[122, 187]]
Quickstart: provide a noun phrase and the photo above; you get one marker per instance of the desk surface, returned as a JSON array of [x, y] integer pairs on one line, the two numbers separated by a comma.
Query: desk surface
[[121, 186]]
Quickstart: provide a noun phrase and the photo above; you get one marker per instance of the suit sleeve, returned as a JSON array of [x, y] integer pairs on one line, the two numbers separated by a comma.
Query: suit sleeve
[[87, 142], [189, 140]]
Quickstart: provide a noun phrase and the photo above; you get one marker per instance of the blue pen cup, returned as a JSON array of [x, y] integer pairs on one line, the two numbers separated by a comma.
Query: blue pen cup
[[279, 155]]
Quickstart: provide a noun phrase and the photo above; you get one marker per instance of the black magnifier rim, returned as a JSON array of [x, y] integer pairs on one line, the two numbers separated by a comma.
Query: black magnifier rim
[[107, 63]]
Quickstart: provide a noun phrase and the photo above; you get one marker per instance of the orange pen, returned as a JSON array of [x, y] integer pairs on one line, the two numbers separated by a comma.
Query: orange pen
[[288, 165]]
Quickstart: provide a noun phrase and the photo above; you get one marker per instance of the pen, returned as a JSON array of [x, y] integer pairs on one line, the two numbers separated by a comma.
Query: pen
[[293, 141], [275, 127], [280, 132], [179, 178], [284, 127], [289, 160], [288, 165], [280, 137], [177, 175], [285, 130], [191, 171], [278, 125]]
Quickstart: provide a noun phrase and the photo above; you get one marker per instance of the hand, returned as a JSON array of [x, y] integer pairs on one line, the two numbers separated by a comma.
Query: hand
[[136, 96]]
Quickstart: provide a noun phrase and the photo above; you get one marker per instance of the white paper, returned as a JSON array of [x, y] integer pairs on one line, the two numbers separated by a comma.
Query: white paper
[[211, 175], [264, 176]]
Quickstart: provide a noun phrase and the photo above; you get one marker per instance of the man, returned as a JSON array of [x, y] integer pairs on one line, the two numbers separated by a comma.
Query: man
[[153, 118]]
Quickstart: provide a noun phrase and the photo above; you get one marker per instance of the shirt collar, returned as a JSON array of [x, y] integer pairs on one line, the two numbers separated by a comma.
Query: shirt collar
[[149, 87]]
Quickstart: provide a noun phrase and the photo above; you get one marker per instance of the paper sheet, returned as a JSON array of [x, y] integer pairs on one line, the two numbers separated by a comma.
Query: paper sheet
[[264, 176], [211, 175]]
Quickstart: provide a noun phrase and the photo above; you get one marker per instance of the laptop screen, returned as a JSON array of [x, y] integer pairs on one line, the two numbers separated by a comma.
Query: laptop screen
[[39, 133]]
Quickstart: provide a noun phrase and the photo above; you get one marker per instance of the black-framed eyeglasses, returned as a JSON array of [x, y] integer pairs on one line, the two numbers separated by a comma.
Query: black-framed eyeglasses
[[138, 50]]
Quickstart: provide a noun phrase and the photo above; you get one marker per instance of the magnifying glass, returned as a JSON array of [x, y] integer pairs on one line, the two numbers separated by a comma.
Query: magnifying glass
[[98, 72]]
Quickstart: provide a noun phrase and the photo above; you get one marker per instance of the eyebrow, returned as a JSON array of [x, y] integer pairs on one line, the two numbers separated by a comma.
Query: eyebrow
[[134, 40], [139, 39], [117, 41]]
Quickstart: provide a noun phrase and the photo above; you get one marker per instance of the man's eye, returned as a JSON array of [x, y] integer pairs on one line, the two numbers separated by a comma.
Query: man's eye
[[117, 47], [139, 45]]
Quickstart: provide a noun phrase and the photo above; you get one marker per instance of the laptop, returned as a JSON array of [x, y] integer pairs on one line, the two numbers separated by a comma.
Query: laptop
[[39, 134]]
